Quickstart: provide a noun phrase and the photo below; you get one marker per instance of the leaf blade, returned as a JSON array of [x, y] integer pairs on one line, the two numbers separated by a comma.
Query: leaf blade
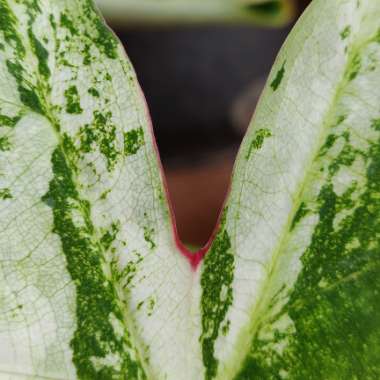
[[99, 202], [280, 194], [260, 12]]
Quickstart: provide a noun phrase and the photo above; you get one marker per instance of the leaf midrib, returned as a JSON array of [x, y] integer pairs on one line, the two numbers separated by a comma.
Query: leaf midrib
[[53, 119]]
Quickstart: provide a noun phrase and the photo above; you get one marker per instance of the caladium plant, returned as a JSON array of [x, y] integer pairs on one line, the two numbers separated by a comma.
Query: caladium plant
[[94, 283], [268, 12]]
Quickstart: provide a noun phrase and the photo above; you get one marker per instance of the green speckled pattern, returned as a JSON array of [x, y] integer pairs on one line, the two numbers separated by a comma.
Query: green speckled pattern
[[92, 283]]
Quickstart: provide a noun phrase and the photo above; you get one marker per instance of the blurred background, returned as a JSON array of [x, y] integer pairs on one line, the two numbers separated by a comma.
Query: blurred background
[[201, 83]]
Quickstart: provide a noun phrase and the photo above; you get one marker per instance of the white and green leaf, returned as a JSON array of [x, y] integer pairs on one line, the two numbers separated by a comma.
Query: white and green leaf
[[93, 284], [262, 12]]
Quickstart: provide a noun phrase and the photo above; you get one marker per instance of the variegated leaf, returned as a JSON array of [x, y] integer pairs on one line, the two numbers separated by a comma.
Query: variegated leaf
[[267, 12], [93, 283]]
